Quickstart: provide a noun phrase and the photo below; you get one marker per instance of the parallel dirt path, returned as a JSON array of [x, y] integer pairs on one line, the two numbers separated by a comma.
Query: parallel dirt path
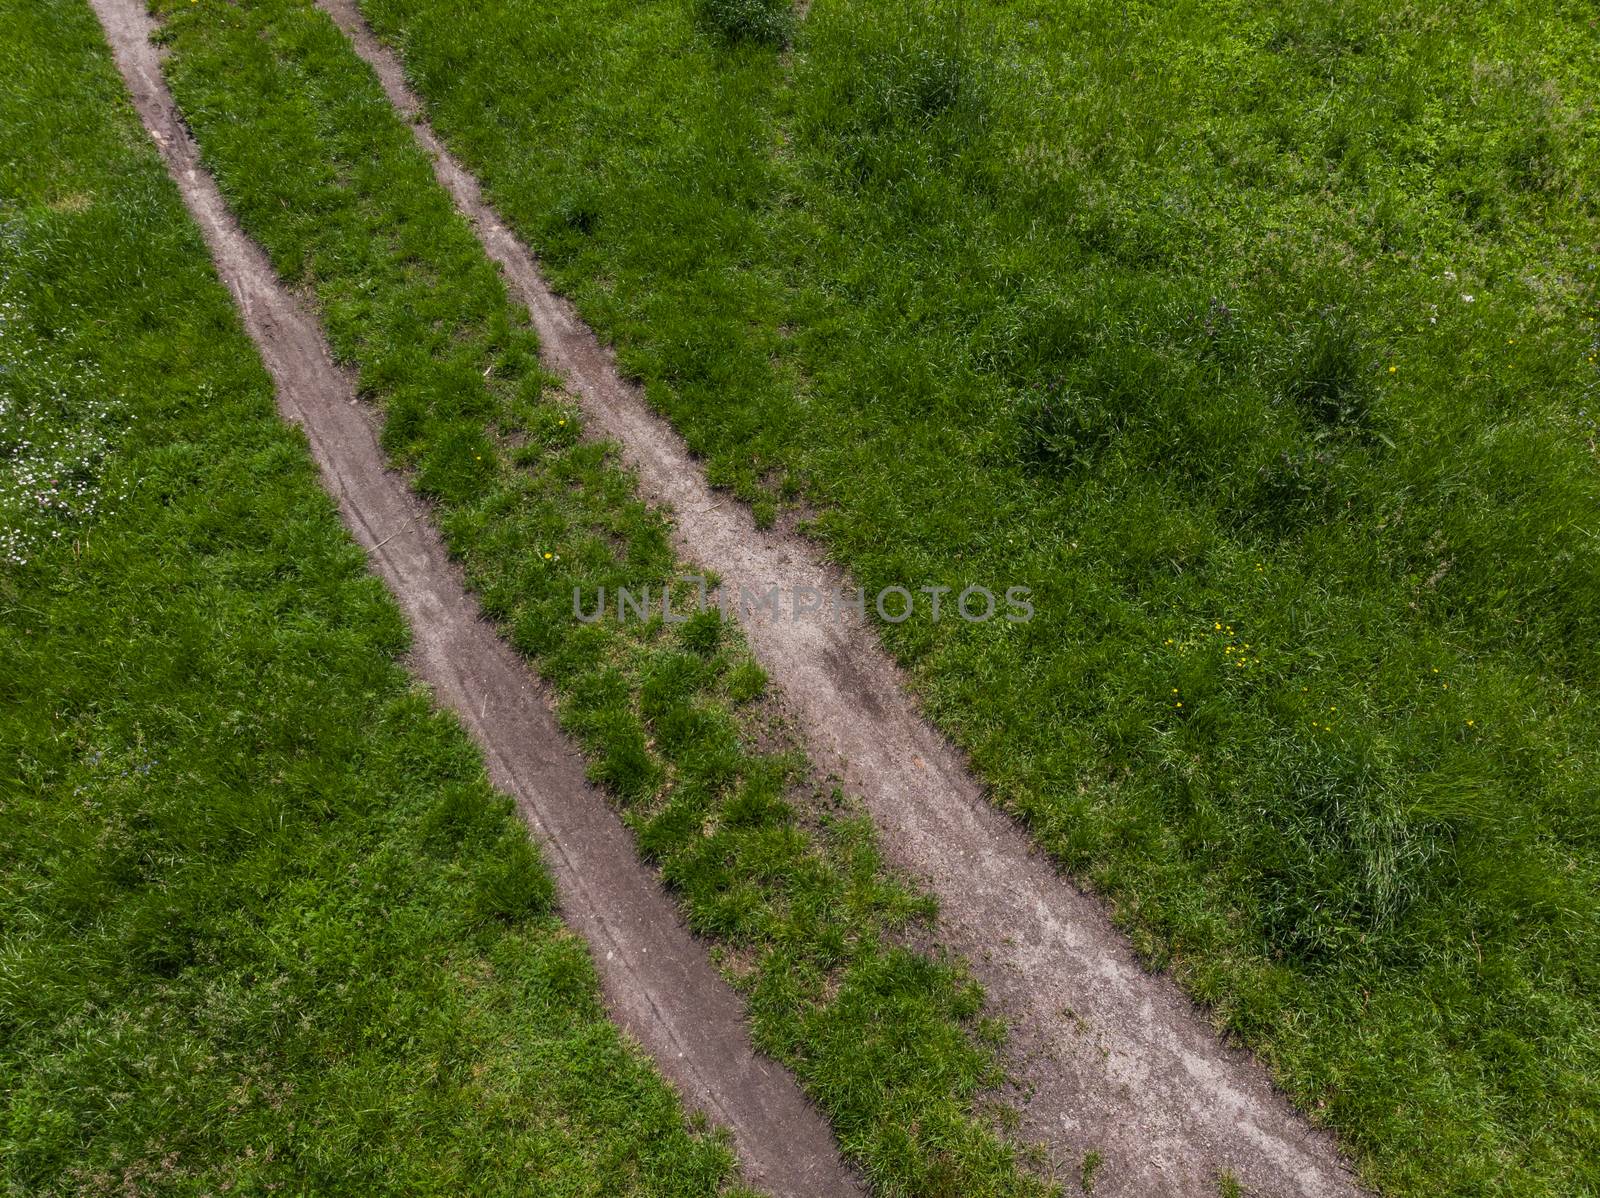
[[657, 980], [1109, 1058]]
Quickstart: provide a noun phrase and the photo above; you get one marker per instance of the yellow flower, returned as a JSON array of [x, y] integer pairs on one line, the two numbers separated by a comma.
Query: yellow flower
[[548, 556], [1392, 369]]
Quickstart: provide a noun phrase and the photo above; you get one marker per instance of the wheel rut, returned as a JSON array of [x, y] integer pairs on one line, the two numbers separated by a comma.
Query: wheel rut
[[1107, 1056], [657, 980]]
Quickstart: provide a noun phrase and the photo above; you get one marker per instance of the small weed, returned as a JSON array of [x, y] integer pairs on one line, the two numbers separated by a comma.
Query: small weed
[[1092, 1161]]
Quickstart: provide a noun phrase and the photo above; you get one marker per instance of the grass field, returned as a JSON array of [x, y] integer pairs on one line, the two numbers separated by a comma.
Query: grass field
[[1259, 340], [777, 872], [265, 926]]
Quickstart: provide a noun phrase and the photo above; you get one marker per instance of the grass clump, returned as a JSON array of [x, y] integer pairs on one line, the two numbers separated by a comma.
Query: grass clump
[[758, 22], [891, 91], [1063, 429], [1092, 1160], [1329, 371], [267, 926], [780, 874]]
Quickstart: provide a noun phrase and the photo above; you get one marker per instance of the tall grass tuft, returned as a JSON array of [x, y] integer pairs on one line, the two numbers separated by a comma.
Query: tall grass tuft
[[754, 22], [1329, 370], [893, 88]]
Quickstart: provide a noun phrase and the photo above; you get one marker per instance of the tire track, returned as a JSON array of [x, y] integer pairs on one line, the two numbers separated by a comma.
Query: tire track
[[657, 980], [1108, 1057]]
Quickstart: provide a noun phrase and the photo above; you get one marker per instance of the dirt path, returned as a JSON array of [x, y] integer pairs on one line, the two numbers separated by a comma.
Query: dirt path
[[656, 978], [1116, 1060]]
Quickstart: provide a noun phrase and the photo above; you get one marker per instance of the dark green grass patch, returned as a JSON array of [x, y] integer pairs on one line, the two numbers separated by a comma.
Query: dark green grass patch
[[1259, 340], [786, 881], [763, 22], [266, 926]]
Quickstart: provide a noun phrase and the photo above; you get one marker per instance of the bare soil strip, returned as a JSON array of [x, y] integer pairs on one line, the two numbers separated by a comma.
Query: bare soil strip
[[1108, 1057], [657, 979]]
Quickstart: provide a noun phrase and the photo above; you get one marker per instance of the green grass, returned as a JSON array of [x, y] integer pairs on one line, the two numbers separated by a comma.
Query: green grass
[[1254, 333], [263, 923], [781, 875]]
